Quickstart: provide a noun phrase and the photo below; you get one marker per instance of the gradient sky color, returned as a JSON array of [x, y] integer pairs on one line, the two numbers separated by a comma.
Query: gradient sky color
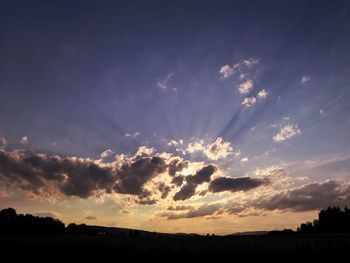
[[246, 103]]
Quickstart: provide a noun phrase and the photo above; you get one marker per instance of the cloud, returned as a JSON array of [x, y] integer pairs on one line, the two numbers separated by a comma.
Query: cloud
[[24, 140], [195, 147], [245, 74], [308, 197], [286, 132], [244, 160], [179, 208], [36, 172], [132, 135], [144, 151], [218, 149], [175, 143], [305, 79], [178, 180], [132, 176], [163, 84], [3, 142], [248, 102], [203, 175], [202, 211], [82, 177], [163, 189], [250, 62], [226, 71], [90, 218], [177, 165], [214, 151], [246, 86], [262, 94], [106, 154], [281, 189], [221, 184], [192, 181], [186, 192]]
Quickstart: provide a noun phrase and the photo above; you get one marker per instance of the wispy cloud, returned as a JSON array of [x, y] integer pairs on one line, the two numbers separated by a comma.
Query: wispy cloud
[[90, 218], [250, 62], [305, 79], [132, 135], [163, 84], [286, 132]]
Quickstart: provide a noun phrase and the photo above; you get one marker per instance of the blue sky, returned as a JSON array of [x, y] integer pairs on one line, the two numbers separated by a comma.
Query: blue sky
[[270, 78]]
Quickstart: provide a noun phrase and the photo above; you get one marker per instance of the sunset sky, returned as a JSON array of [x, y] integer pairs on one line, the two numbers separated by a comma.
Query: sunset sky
[[175, 116]]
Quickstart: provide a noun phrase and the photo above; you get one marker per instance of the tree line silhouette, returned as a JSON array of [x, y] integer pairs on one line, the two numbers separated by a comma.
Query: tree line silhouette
[[12, 223], [331, 220]]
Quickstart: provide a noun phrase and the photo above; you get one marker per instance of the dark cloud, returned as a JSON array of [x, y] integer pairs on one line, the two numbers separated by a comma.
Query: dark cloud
[[132, 176], [76, 176], [234, 184], [179, 208], [178, 180], [147, 202], [189, 189], [90, 218], [177, 166], [203, 175], [164, 189], [308, 197], [204, 210], [84, 178]]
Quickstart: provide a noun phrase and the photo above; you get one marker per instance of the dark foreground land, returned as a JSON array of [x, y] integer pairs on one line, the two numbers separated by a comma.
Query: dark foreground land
[[28, 237], [168, 248]]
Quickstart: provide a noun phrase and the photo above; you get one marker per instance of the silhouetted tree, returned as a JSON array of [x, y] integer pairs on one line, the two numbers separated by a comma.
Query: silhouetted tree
[[331, 220]]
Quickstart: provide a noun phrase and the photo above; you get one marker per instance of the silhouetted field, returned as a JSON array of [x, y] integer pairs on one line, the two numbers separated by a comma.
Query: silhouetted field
[[177, 247]]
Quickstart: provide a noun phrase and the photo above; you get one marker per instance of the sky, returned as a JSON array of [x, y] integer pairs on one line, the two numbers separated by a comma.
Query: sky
[[175, 116]]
